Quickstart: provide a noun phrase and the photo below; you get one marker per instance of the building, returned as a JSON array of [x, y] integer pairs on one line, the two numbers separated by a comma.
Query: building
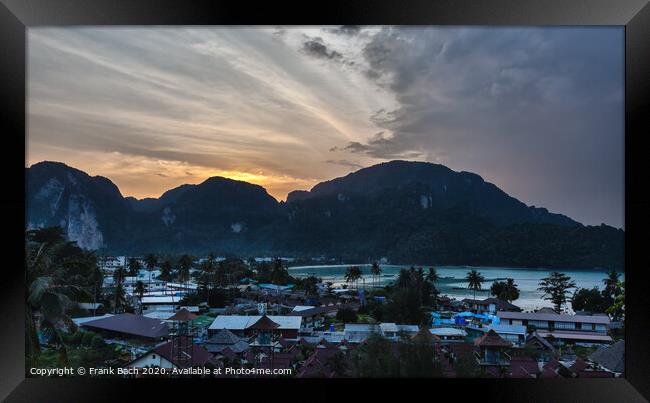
[[515, 334], [493, 350], [562, 328], [314, 317], [128, 325], [611, 357], [160, 303], [489, 305], [179, 353], [358, 332], [224, 339], [540, 347], [449, 334], [239, 325]]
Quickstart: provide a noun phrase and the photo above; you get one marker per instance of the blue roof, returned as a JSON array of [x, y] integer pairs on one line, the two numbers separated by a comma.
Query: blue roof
[[276, 287]]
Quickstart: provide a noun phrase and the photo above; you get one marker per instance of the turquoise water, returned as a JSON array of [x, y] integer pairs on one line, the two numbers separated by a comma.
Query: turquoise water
[[453, 282]]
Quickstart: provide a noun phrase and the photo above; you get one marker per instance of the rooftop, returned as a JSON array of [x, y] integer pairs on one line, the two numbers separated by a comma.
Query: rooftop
[[241, 322], [491, 339], [129, 323], [554, 317], [611, 357]]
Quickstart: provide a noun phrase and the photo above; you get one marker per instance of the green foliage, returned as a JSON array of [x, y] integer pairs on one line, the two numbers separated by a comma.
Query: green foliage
[[97, 342], [474, 281], [87, 338], [591, 300], [353, 274], [375, 359], [556, 288], [617, 309], [346, 315], [505, 290], [417, 360]]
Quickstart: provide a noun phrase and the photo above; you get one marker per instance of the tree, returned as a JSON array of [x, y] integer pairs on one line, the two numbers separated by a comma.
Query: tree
[[352, 275], [617, 309], [474, 281], [184, 265], [611, 284], [417, 360], [346, 315], [279, 273], [118, 276], [134, 266], [432, 276], [150, 261], [505, 290], [374, 358], [591, 300], [139, 289], [208, 274], [555, 288], [337, 364], [375, 270], [166, 270], [309, 285], [49, 260]]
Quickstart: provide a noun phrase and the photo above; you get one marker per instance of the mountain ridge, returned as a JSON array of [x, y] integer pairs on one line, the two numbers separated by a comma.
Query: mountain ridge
[[401, 209]]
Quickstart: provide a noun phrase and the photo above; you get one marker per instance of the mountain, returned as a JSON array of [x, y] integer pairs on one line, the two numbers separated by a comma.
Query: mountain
[[410, 212], [436, 187], [91, 209]]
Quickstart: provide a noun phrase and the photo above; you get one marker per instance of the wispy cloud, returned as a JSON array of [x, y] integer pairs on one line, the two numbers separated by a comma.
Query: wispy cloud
[[538, 111]]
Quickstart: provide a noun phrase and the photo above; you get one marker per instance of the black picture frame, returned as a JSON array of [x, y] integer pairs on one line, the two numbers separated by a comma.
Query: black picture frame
[[18, 15]]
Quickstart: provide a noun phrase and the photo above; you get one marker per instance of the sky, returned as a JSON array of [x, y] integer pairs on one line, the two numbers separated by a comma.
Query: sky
[[539, 112]]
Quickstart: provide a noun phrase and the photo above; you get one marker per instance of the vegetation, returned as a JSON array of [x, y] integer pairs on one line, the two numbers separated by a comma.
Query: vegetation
[[556, 289], [346, 315], [505, 290], [52, 266], [378, 357], [591, 300], [474, 281], [352, 275], [375, 270], [617, 309]]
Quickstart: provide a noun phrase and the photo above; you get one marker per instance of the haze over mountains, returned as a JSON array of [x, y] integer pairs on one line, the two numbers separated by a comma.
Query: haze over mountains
[[409, 212]]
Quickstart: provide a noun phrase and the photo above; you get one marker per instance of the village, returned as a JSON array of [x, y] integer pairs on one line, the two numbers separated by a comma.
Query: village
[[240, 318]]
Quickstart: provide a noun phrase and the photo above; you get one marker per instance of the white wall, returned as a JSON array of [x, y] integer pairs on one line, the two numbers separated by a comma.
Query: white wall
[[151, 359]]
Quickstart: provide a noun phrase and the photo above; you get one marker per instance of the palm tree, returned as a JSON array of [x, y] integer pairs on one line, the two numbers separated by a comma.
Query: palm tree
[[474, 281], [432, 278], [46, 291], [134, 266], [150, 261], [139, 289], [611, 283], [352, 275], [184, 266], [118, 276], [208, 271], [376, 272], [97, 281]]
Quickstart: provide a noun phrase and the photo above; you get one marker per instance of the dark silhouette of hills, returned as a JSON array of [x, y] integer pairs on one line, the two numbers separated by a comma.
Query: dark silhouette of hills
[[409, 212]]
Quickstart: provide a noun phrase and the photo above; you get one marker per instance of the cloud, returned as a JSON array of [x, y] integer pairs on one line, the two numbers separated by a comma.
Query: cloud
[[537, 111], [344, 163], [346, 30], [316, 48], [528, 108]]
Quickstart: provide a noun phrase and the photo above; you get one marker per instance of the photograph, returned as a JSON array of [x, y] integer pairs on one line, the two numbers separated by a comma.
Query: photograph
[[325, 201]]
